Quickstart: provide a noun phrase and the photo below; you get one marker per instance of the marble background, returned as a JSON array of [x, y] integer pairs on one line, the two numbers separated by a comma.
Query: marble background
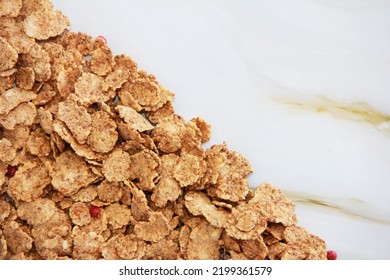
[[299, 87]]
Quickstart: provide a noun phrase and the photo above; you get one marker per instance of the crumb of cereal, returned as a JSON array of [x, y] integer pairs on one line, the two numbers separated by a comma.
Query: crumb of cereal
[[29, 181], [70, 173], [155, 229], [199, 203], [44, 24], [23, 114], [116, 167], [38, 59], [10, 99], [7, 152], [102, 60], [25, 78], [118, 215], [103, 135], [12, 30], [76, 117], [10, 8], [8, 55], [203, 243], [38, 211], [88, 89]]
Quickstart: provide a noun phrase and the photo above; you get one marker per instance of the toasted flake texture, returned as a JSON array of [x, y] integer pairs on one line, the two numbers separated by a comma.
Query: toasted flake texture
[[30, 6], [53, 238], [115, 79], [302, 245], [38, 59], [133, 118], [276, 230], [274, 205], [143, 166], [139, 205], [184, 239], [25, 78], [77, 119], [38, 144], [275, 250], [45, 119], [24, 114], [109, 192], [5, 210], [254, 249], [199, 203], [227, 173], [162, 250], [18, 136], [10, 99], [88, 89], [7, 152], [230, 244], [66, 80], [29, 181], [8, 73], [10, 8], [165, 111], [3, 171], [145, 91], [186, 170], [102, 61], [118, 215], [47, 96], [8, 55], [44, 24], [103, 135], [3, 246], [167, 188], [12, 30], [127, 99], [79, 213], [81, 150], [6, 83], [244, 223], [116, 167], [123, 246], [203, 243], [70, 173], [17, 237], [155, 229], [81, 42], [38, 211], [86, 194], [167, 134], [86, 245], [204, 128]]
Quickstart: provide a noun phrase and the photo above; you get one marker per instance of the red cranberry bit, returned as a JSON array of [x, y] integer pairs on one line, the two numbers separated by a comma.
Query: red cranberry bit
[[11, 170], [331, 255], [94, 211], [102, 38]]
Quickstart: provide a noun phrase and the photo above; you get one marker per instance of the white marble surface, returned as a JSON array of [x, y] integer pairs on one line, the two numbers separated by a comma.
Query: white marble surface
[[242, 65]]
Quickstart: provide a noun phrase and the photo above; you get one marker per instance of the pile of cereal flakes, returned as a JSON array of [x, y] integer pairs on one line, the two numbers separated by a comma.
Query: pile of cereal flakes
[[95, 164]]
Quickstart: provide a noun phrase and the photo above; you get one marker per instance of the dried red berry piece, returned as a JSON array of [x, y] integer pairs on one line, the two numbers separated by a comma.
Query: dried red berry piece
[[102, 38], [11, 170], [331, 255], [94, 211]]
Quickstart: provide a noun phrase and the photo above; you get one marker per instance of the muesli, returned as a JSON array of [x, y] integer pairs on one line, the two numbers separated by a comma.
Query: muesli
[[96, 164]]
